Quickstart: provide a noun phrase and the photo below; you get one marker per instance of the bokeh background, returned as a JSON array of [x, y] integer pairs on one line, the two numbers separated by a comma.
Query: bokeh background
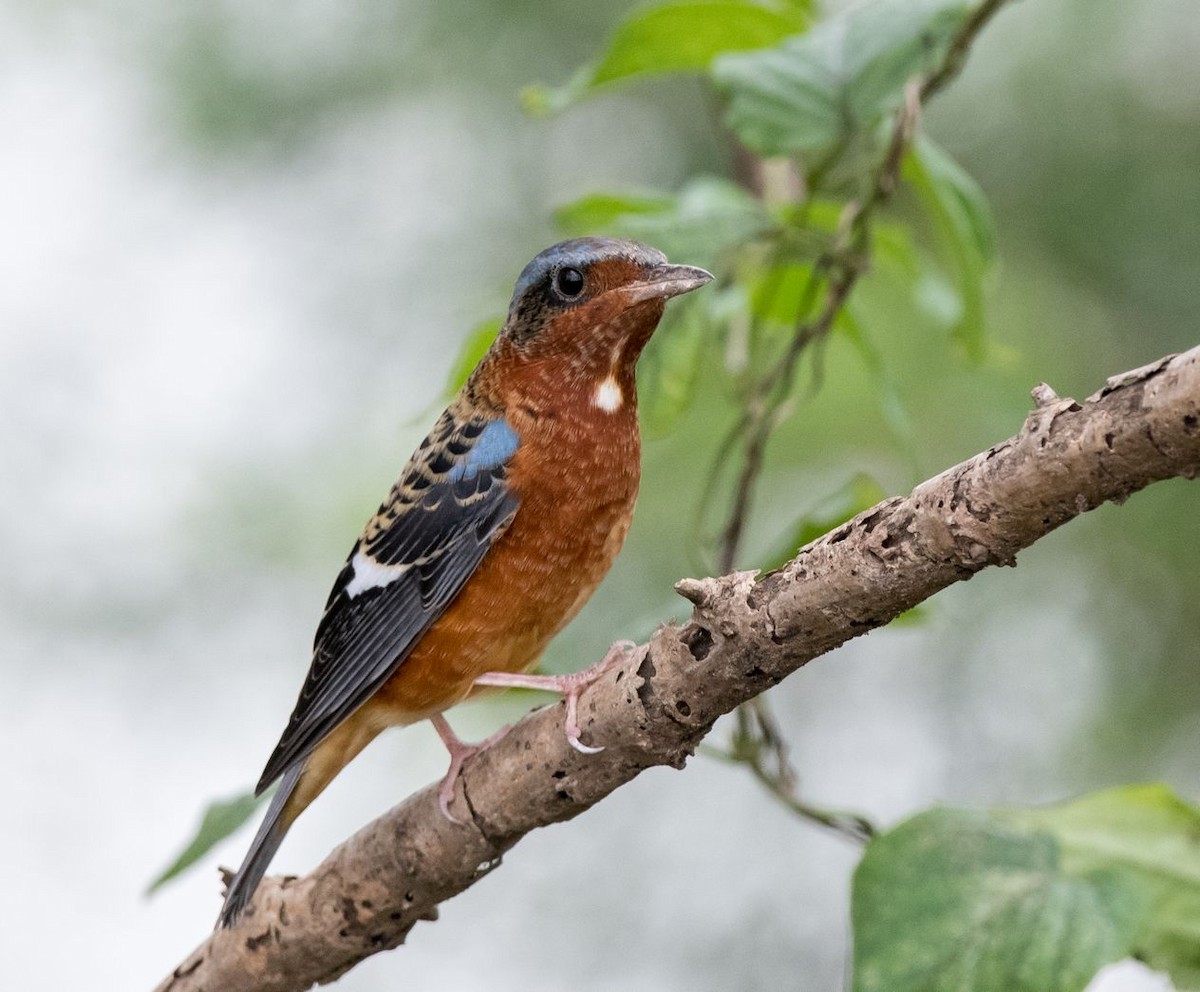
[[242, 243]]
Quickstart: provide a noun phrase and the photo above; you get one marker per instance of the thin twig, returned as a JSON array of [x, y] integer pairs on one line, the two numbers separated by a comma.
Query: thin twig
[[956, 55], [842, 265], [759, 744]]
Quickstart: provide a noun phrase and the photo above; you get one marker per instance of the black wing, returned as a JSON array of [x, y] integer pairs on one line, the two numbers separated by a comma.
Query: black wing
[[440, 519]]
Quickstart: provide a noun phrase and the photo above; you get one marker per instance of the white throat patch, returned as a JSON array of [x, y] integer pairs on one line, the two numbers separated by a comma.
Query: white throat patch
[[609, 397]]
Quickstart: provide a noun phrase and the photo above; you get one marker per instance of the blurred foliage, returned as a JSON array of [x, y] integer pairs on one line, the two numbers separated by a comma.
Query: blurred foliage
[[777, 258], [1032, 900], [947, 900], [913, 372], [860, 493], [473, 349], [962, 218], [823, 97], [222, 818], [703, 221], [673, 37], [1150, 839], [828, 88]]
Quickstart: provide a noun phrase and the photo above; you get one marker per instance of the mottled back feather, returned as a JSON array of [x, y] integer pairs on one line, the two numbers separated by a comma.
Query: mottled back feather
[[451, 504]]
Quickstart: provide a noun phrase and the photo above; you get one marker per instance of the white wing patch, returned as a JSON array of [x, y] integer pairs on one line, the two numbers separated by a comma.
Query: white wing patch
[[608, 396], [369, 574]]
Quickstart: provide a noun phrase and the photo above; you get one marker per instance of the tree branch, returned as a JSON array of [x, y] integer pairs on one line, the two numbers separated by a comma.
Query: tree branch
[[744, 636]]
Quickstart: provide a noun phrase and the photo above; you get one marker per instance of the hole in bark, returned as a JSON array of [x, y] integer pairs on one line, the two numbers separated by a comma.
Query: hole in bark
[[559, 774], [682, 707], [699, 641], [1108, 440], [1191, 421], [646, 672], [562, 794], [395, 916]]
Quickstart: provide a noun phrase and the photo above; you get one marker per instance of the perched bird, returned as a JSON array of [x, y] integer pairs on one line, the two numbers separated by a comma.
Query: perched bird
[[499, 529]]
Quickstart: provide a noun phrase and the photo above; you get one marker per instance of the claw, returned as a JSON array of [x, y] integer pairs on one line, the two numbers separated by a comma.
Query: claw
[[460, 751], [572, 723], [571, 686], [446, 791]]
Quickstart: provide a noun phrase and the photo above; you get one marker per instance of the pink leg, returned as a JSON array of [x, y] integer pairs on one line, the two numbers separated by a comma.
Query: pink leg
[[460, 751], [571, 686]]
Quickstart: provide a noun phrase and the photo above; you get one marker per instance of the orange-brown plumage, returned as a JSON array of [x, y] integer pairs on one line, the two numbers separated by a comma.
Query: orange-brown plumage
[[539, 457], [576, 474]]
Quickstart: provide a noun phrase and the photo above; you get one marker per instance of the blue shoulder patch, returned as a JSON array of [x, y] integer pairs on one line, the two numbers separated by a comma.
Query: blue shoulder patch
[[495, 445]]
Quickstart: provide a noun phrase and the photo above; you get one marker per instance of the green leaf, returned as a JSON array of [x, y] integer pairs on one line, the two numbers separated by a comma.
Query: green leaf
[[1031, 900], [959, 194], [221, 819], [778, 293], [893, 248], [673, 37], [603, 211], [954, 901], [962, 222], [669, 371], [473, 349], [835, 82], [891, 405], [860, 493], [709, 215], [1151, 838], [697, 225]]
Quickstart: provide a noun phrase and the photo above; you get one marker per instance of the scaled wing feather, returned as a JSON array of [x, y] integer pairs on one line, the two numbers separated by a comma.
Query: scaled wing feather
[[428, 537]]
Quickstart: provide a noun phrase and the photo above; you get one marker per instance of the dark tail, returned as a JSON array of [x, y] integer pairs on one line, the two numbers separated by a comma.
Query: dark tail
[[262, 849]]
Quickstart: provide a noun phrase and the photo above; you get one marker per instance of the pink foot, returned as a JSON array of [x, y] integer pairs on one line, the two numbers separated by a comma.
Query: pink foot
[[571, 686], [460, 751]]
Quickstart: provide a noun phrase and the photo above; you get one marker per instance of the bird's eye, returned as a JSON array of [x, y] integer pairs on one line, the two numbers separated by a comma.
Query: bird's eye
[[568, 282]]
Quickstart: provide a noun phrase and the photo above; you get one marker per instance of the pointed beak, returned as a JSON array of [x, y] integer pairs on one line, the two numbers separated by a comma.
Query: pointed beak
[[665, 281]]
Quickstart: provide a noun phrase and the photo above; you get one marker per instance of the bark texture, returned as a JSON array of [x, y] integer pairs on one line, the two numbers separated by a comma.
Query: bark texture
[[744, 636]]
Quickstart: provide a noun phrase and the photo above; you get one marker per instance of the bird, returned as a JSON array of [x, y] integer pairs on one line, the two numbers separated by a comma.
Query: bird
[[498, 530]]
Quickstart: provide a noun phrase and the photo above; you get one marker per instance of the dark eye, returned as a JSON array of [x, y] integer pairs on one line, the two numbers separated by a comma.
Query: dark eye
[[568, 282]]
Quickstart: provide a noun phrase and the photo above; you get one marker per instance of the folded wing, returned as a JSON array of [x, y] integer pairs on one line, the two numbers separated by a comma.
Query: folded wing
[[451, 504]]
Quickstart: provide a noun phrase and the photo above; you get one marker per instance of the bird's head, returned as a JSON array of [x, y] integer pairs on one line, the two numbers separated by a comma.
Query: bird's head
[[593, 302]]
